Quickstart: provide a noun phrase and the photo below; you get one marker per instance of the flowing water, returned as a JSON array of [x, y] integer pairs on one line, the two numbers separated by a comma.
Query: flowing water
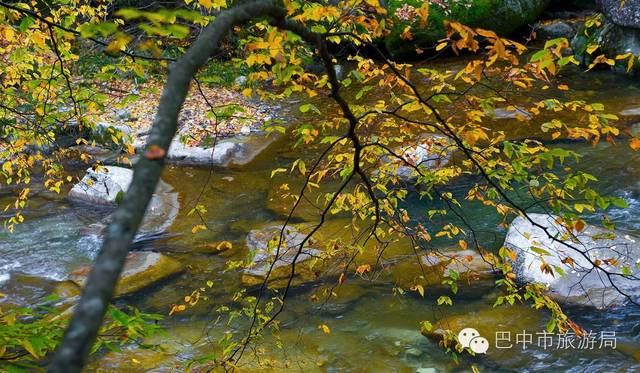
[[373, 329]]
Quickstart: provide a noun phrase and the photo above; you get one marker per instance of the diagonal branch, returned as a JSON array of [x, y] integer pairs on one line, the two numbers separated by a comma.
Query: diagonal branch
[[81, 332]]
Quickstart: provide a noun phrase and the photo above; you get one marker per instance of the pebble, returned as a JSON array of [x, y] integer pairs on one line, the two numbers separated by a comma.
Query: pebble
[[426, 370], [245, 130], [414, 352]]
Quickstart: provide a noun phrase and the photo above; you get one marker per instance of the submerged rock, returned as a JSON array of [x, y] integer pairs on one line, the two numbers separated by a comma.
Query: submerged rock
[[262, 244], [470, 264], [213, 248], [134, 359], [631, 112], [558, 28], [510, 113], [574, 277], [433, 268], [141, 269], [490, 322]]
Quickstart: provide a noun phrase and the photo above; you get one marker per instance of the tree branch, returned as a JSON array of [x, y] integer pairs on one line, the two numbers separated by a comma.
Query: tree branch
[[72, 353]]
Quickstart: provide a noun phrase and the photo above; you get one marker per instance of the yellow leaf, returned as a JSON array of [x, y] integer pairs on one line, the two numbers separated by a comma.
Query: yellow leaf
[[224, 245], [199, 227], [563, 87], [591, 48], [419, 288], [423, 13], [520, 84], [213, 4], [9, 34], [325, 329], [441, 46], [29, 347]]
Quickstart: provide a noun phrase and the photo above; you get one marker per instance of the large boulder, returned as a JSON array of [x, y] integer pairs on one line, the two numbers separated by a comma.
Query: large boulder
[[547, 253], [617, 34], [501, 16], [558, 28], [106, 186], [103, 186], [263, 245], [623, 13], [141, 269]]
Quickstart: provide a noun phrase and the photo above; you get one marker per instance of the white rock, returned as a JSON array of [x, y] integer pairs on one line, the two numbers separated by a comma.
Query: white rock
[[240, 81], [263, 255], [102, 128], [582, 282], [431, 153], [245, 130], [223, 152], [630, 112], [102, 186], [340, 71], [109, 183], [504, 113]]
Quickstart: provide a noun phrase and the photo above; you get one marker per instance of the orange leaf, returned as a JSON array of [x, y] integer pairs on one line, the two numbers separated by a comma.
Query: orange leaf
[[363, 268], [154, 153]]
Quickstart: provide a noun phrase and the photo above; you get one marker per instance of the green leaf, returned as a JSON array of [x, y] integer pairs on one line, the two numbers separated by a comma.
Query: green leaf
[[26, 23], [119, 316], [551, 325], [541, 251], [426, 325]]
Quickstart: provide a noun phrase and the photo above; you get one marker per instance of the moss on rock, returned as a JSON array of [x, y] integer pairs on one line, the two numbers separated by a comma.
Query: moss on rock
[[501, 16]]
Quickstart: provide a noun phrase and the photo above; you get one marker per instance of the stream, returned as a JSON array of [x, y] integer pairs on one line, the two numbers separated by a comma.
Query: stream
[[373, 329]]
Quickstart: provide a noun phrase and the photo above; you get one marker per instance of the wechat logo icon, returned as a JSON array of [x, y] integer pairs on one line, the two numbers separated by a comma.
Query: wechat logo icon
[[470, 338]]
